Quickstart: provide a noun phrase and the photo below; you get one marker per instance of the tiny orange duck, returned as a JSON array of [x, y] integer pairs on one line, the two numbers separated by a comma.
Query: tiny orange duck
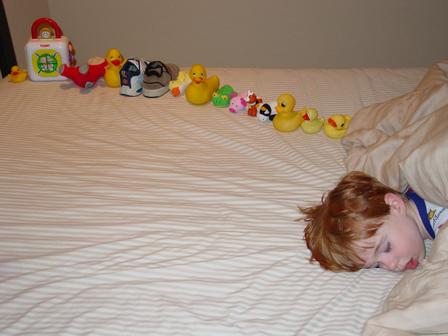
[[17, 75]]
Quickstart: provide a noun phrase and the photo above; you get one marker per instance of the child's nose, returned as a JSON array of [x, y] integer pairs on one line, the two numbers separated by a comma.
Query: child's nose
[[389, 263]]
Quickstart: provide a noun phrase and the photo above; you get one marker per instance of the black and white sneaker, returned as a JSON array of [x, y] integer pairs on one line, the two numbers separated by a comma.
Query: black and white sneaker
[[131, 77]]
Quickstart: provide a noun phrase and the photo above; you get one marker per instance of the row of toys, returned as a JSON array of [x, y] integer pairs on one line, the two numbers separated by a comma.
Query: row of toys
[[200, 89], [51, 56]]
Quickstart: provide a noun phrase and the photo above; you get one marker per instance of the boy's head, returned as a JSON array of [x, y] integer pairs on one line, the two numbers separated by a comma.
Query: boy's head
[[363, 223]]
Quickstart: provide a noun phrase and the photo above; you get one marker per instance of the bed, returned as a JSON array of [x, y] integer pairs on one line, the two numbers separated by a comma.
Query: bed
[[138, 216]]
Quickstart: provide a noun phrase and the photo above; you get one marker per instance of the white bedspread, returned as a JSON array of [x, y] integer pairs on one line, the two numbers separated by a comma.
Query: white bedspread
[[138, 216]]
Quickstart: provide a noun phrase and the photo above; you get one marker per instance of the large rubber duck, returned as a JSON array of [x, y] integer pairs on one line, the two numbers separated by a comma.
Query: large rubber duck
[[201, 88], [17, 75], [114, 63], [286, 119], [312, 123], [336, 126]]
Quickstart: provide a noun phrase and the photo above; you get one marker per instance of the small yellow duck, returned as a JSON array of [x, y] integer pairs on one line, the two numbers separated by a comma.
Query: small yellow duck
[[201, 88], [114, 63], [286, 119], [17, 75], [179, 85], [311, 122], [336, 126]]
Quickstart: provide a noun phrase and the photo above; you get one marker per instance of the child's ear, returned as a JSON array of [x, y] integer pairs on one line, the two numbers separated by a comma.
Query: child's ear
[[396, 203]]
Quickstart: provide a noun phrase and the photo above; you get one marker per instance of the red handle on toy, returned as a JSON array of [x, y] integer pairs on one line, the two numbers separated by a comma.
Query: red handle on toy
[[52, 23]]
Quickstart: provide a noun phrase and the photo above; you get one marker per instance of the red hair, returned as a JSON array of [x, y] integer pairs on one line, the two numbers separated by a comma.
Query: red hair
[[354, 210]]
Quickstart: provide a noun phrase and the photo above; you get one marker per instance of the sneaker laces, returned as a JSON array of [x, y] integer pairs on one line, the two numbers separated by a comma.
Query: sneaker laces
[[156, 68]]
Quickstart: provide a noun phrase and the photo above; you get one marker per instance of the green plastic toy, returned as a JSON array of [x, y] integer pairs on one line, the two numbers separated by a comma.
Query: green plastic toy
[[221, 98]]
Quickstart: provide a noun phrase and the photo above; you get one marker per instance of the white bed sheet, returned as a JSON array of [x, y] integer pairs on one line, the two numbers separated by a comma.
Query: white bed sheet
[[138, 216]]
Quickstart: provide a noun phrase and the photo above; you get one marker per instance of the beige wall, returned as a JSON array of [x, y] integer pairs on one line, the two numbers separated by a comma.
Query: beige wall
[[21, 15], [260, 33]]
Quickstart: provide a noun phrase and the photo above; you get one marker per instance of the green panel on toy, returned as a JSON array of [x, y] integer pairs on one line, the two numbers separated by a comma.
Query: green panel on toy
[[221, 98]]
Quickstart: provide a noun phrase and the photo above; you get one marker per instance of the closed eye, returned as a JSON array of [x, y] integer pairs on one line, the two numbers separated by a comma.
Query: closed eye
[[375, 265]]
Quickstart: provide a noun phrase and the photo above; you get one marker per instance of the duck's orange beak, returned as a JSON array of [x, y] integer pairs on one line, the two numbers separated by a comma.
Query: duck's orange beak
[[197, 80]]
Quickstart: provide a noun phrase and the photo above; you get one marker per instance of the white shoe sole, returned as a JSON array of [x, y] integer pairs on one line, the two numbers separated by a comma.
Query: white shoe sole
[[126, 91], [155, 93]]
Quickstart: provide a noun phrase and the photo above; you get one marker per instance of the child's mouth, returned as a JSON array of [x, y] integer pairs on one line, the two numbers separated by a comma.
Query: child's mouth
[[412, 264]]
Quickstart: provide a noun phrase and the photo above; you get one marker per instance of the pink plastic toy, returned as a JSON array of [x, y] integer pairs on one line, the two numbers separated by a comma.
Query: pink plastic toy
[[238, 104]]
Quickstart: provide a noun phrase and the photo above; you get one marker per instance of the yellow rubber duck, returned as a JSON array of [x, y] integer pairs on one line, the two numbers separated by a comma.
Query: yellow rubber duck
[[311, 122], [201, 88], [336, 126], [17, 75], [286, 119], [114, 63]]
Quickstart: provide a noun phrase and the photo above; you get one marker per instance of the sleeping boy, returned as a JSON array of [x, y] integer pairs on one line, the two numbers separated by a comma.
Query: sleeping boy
[[363, 223]]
